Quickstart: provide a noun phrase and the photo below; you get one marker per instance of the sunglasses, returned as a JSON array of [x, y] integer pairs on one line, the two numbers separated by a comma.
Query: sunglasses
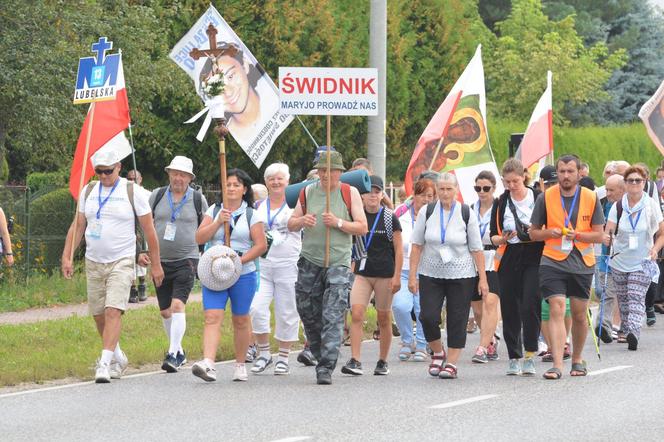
[[104, 171], [485, 189], [634, 180]]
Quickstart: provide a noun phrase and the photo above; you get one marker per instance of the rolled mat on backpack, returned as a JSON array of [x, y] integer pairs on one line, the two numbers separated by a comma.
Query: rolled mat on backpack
[[356, 178]]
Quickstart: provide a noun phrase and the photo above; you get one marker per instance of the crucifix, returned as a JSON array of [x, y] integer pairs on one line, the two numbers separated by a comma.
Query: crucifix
[[220, 128]]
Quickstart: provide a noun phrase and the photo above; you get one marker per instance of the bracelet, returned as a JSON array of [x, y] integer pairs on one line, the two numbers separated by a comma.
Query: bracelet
[[9, 254]]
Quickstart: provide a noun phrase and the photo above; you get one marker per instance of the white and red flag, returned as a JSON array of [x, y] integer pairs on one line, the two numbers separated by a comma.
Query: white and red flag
[[456, 139], [537, 142], [110, 120]]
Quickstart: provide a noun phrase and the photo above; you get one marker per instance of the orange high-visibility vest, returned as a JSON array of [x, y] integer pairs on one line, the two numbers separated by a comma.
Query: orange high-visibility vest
[[500, 252], [555, 218]]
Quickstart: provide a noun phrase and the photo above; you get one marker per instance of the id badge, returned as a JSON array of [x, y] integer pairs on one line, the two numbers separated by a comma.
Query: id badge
[[445, 255], [567, 244], [169, 233], [633, 241], [363, 263], [94, 229], [409, 248]]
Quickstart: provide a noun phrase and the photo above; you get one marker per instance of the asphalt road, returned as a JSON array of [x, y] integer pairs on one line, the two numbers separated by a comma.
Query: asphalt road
[[622, 398]]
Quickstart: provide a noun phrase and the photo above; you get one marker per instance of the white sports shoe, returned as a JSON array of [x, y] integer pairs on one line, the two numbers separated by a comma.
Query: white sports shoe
[[204, 371], [240, 373], [118, 368], [102, 373]]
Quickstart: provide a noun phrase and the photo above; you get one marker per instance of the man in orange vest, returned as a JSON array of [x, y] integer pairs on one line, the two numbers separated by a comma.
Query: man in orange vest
[[569, 219]]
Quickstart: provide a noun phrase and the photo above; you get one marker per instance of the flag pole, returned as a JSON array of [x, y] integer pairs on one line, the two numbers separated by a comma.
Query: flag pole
[[307, 131], [436, 152], [327, 192], [221, 130], [133, 155], [88, 135]]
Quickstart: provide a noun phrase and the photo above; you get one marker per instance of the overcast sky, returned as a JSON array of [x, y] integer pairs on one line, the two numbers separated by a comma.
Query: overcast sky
[[659, 3]]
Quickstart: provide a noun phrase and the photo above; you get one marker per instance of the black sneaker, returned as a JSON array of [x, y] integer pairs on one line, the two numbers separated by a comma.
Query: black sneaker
[[181, 358], [142, 296], [133, 295], [352, 367], [604, 335], [651, 319], [323, 377], [307, 358], [632, 341], [170, 364], [381, 368]]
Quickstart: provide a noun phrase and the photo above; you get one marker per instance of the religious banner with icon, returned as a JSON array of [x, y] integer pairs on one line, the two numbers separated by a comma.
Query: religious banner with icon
[[652, 115]]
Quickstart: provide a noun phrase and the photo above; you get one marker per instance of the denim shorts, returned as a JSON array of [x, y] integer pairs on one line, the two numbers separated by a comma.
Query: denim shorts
[[241, 294]]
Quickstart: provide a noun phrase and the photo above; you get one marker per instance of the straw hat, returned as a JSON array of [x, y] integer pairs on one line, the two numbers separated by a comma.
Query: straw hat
[[219, 267]]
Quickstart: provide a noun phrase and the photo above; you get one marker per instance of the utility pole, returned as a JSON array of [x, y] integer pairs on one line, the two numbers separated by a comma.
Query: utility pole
[[378, 59]]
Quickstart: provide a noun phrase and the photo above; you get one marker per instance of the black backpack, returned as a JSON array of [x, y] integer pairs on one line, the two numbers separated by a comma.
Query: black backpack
[[198, 201], [465, 213]]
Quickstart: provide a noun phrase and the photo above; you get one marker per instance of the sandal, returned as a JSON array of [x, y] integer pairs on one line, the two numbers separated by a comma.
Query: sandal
[[260, 364], [578, 369], [419, 356], [435, 369], [404, 353], [448, 372], [622, 339], [552, 374], [281, 368]]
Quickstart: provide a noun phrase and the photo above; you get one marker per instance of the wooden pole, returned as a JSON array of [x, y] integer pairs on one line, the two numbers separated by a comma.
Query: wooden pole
[[81, 181], [221, 130], [327, 191], [435, 154]]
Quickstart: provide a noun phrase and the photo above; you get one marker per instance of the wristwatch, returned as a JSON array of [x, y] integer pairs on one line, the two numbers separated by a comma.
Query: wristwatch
[[340, 223]]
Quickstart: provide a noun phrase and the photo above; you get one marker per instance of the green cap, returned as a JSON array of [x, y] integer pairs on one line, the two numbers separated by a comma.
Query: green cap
[[336, 162]]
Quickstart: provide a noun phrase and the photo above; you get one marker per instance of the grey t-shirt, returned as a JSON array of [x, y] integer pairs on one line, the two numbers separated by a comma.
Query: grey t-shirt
[[186, 223], [574, 262]]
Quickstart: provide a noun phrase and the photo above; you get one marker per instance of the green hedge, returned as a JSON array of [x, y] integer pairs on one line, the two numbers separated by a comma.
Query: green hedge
[[50, 215], [44, 180]]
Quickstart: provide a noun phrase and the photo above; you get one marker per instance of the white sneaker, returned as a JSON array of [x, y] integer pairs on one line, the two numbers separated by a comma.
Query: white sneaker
[[102, 373], [204, 371], [240, 373], [118, 368]]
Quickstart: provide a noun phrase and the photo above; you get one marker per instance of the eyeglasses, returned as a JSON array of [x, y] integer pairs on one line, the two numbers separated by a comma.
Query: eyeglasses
[[485, 189], [104, 171], [634, 180]]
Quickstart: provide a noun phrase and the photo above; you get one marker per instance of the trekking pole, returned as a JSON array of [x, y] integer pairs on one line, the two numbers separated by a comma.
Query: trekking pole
[[600, 322], [590, 323]]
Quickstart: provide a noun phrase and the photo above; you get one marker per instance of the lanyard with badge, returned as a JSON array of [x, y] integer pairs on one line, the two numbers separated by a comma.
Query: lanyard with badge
[[483, 226], [94, 231], [270, 220], [169, 233], [367, 241], [568, 244], [445, 253], [633, 237]]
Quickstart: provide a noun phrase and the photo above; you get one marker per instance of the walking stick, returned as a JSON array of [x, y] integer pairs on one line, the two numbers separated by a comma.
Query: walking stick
[[600, 323]]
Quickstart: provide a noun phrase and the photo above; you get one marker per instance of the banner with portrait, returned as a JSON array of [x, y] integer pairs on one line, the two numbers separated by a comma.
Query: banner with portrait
[[652, 115], [250, 99]]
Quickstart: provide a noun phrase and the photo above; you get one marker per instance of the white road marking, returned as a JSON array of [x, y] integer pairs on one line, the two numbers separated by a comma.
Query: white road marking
[[293, 439], [608, 370], [470, 400]]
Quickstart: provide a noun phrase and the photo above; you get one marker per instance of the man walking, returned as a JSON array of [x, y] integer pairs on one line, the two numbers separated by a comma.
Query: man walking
[[177, 210], [106, 215], [137, 292], [322, 291], [574, 220]]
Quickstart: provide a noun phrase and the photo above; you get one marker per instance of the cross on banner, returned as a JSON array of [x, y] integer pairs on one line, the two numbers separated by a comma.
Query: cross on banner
[[214, 51], [100, 48]]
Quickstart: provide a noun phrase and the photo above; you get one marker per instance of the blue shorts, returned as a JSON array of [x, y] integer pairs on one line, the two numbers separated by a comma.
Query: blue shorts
[[241, 294]]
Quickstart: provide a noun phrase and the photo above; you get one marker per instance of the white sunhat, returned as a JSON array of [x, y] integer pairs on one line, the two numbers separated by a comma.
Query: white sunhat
[[106, 158], [183, 164], [219, 267]]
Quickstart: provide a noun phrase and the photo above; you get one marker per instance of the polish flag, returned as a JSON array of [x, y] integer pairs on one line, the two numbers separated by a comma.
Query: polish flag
[[110, 120], [537, 142]]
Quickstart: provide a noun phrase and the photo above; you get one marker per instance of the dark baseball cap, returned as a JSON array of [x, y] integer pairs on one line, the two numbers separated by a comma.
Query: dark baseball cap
[[548, 174], [376, 181]]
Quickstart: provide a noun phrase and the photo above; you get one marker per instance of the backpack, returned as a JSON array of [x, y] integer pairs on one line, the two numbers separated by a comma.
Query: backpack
[[465, 213], [198, 201], [345, 195]]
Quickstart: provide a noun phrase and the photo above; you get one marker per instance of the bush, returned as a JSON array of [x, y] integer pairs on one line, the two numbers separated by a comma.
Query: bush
[[50, 215], [38, 181]]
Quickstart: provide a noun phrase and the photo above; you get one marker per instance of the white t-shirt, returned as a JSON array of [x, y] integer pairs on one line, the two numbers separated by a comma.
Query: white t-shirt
[[116, 238], [407, 226], [240, 235], [286, 245], [484, 222], [524, 209]]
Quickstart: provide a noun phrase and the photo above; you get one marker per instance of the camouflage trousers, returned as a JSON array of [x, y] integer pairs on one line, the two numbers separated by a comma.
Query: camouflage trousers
[[322, 297]]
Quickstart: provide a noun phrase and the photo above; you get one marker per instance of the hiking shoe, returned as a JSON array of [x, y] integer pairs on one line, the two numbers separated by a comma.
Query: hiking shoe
[[102, 373], [204, 371], [604, 334], [281, 368], [480, 356], [404, 353], [353, 367], [180, 359], [133, 295], [117, 368], [307, 358], [240, 373], [323, 377], [632, 341], [381, 368], [514, 368], [170, 364], [471, 327], [528, 367], [260, 364], [252, 352], [566, 352], [651, 319], [492, 351]]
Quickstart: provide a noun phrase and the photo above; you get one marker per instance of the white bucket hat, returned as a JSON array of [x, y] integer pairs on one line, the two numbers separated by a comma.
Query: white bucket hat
[[183, 164], [219, 267]]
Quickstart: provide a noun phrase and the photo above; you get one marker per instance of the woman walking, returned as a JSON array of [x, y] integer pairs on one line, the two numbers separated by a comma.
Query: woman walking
[[247, 238], [446, 251]]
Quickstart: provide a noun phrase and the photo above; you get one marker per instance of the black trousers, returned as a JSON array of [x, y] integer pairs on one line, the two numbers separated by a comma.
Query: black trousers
[[521, 308], [457, 292]]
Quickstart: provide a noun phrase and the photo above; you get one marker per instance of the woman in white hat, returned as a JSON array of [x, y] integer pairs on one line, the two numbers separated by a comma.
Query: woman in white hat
[[247, 239], [277, 276]]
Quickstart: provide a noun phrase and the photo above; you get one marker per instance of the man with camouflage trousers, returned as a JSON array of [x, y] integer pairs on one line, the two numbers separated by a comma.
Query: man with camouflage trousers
[[322, 292]]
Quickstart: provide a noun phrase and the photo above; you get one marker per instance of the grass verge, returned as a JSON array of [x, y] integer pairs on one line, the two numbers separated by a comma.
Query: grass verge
[[68, 348]]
